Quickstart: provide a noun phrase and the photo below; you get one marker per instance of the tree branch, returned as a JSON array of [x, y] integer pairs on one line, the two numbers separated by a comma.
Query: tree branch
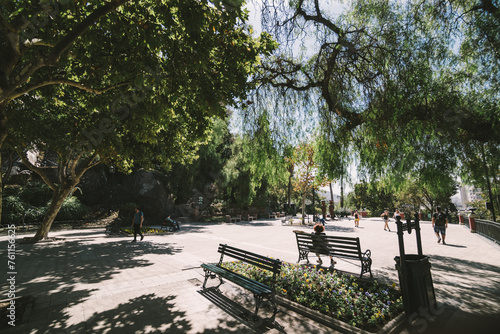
[[81, 28], [65, 82], [38, 170], [53, 58]]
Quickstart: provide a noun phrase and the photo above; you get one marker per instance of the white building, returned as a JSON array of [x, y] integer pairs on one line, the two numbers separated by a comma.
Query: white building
[[469, 194]]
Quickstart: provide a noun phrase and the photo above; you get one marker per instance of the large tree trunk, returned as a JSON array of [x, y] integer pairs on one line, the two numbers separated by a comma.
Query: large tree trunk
[[56, 203], [5, 177], [289, 189], [3, 136], [304, 203], [1, 187], [342, 192]]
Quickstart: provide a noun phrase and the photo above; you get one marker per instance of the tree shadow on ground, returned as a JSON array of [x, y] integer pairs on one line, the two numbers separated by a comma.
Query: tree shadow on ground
[[472, 281], [147, 312], [468, 295], [82, 233], [52, 272], [239, 313], [255, 223], [336, 228], [194, 227]]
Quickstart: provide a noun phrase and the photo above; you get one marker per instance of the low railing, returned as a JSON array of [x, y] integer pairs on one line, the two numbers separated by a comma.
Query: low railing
[[488, 229], [466, 221]]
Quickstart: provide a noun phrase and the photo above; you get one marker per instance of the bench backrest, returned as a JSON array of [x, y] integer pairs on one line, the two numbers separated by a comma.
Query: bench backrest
[[347, 247], [264, 262]]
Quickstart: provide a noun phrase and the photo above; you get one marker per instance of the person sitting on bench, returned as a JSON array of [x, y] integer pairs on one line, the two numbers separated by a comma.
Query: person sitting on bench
[[171, 223], [319, 244]]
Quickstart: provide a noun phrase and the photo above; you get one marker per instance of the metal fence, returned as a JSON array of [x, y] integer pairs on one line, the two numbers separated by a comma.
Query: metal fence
[[488, 229]]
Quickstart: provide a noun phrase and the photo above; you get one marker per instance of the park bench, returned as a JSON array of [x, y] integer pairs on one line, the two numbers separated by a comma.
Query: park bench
[[286, 220], [230, 219], [339, 247], [295, 220], [250, 217], [271, 215], [260, 291]]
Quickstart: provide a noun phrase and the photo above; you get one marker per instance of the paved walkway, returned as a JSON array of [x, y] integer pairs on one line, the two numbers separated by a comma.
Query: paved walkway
[[90, 283]]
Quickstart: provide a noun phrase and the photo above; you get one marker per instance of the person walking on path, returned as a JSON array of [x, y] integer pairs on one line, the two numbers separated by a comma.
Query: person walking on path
[[356, 218], [385, 216], [440, 224], [137, 224]]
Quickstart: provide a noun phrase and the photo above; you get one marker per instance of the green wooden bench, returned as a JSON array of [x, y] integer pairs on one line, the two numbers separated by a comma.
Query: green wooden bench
[[339, 247], [260, 291]]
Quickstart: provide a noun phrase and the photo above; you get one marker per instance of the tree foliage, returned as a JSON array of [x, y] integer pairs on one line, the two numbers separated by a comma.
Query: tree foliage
[[129, 83], [393, 82], [256, 169]]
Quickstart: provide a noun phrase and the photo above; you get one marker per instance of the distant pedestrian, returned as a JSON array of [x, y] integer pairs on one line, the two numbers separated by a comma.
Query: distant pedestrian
[[171, 224], [356, 218], [397, 214], [137, 223], [320, 220], [385, 217], [440, 224]]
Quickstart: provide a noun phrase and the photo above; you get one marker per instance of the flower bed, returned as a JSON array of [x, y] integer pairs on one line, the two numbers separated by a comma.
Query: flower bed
[[366, 305], [144, 230]]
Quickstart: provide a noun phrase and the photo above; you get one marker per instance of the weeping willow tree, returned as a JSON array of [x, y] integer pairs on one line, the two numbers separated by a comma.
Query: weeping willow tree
[[256, 172], [402, 88]]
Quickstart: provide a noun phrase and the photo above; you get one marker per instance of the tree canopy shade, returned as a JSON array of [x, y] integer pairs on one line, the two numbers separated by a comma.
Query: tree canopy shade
[[132, 83]]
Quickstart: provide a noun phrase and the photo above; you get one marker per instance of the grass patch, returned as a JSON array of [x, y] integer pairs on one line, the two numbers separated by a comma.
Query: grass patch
[[366, 305]]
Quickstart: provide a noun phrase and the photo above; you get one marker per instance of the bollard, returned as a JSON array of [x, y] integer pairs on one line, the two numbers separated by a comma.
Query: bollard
[[472, 221], [461, 220]]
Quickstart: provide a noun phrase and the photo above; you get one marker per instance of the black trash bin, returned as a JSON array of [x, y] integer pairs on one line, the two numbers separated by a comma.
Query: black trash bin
[[417, 287]]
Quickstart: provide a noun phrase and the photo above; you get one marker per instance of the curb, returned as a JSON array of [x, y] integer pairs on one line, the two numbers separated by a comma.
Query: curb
[[392, 327]]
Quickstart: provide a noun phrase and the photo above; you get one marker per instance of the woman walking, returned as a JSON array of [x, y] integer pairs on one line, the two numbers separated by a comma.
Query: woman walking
[[385, 216], [356, 218]]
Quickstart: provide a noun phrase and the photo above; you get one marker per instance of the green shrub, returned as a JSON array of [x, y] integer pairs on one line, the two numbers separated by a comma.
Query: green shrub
[[35, 214], [72, 209], [13, 210], [17, 211], [36, 194]]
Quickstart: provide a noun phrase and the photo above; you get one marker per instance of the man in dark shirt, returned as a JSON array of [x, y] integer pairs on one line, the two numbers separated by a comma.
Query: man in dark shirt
[[137, 223], [440, 223]]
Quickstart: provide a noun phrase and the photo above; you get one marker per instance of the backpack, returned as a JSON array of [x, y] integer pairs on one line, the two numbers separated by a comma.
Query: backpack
[[440, 218]]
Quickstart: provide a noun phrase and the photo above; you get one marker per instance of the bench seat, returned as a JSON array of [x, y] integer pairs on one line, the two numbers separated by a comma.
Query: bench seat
[[260, 290]]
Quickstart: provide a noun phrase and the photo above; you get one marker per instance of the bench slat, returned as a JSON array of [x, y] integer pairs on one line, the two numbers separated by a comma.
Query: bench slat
[[342, 247], [247, 283], [251, 258]]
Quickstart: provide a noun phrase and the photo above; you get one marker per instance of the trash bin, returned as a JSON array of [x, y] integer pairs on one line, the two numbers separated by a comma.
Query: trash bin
[[418, 290]]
